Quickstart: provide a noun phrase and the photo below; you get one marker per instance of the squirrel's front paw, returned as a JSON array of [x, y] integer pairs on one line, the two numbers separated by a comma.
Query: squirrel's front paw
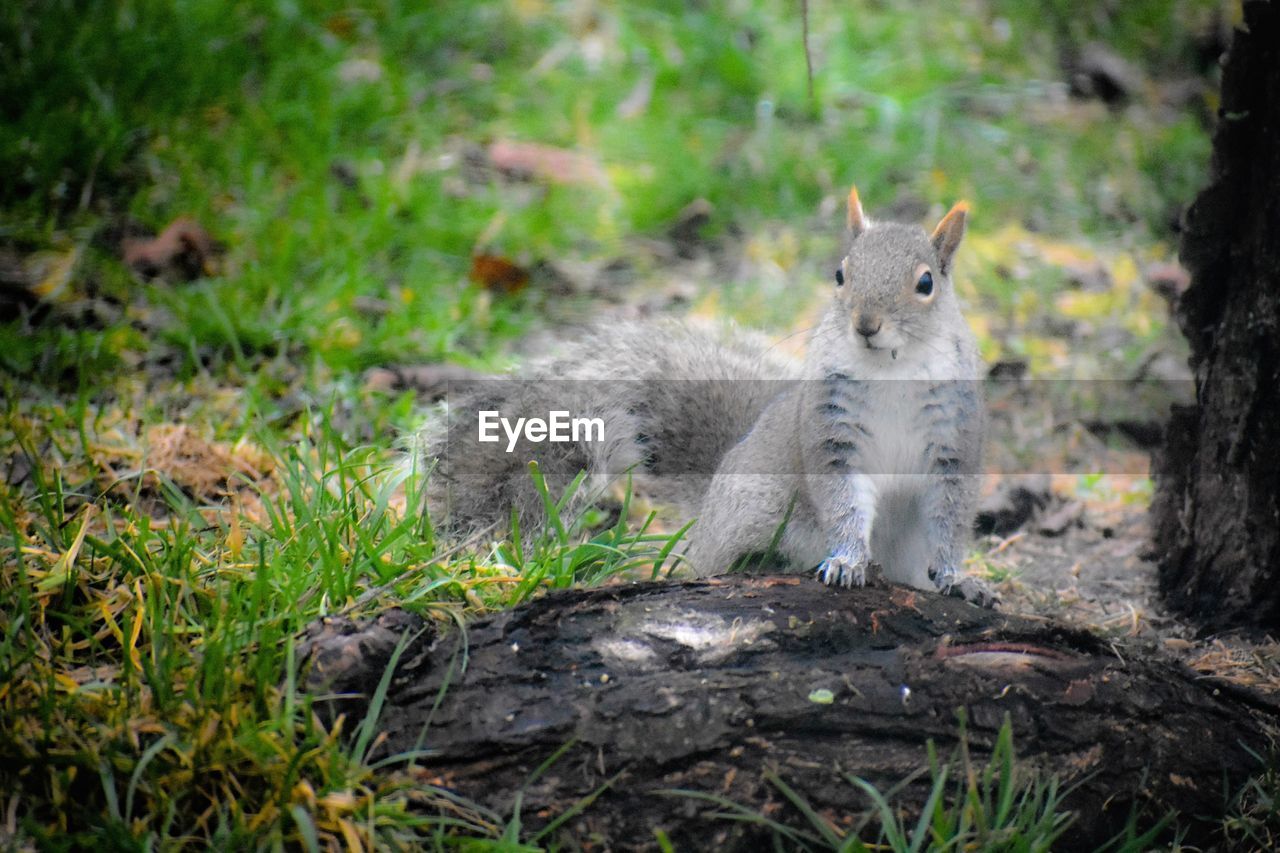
[[845, 569], [972, 590]]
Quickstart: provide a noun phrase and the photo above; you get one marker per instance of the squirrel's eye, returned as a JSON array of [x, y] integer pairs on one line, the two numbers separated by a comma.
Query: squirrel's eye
[[839, 276], [924, 286]]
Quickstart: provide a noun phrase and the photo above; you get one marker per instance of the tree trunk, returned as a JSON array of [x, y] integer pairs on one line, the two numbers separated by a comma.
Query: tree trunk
[[708, 686], [1217, 509]]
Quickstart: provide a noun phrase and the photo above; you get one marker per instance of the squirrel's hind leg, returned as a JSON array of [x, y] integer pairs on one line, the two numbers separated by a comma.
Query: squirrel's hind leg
[[743, 515]]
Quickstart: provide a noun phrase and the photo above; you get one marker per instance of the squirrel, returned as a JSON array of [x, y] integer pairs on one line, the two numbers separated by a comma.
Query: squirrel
[[864, 453]]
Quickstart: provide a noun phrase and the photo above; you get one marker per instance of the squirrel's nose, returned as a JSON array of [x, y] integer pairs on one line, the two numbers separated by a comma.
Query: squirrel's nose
[[868, 326]]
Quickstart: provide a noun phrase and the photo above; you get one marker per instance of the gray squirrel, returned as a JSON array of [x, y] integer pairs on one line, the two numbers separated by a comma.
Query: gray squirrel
[[866, 452]]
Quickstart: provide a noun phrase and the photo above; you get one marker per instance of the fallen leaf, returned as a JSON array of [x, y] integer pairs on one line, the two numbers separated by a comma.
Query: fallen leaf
[[545, 162], [341, 25], [1168, 280], [207, 470], [429, 381], [1099, 72], [183, 251], [45, 276], [495, 272]]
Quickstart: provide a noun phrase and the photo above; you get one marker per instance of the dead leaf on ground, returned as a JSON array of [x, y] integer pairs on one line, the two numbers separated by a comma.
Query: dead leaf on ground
[[43, 276], [545, 163], [207, 470], [1099, 72], [1168, 280], [494, 272], [430, 382], [341, 25], [183, 251]]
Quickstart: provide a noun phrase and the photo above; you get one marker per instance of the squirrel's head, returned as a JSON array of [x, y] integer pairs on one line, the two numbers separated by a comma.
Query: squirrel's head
[[894, 284]]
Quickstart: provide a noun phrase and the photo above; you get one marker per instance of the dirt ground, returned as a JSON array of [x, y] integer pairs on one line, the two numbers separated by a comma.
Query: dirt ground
[[1091, 561]]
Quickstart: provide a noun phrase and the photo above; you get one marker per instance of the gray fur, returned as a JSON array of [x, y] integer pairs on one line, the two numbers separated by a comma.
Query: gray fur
[[667, 434]]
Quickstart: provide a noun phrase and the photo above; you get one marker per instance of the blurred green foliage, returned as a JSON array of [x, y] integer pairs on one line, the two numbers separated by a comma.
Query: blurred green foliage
[[239, 114]]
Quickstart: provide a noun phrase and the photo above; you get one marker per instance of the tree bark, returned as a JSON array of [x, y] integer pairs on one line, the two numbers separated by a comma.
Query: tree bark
[[706, 686], [1216, 512]]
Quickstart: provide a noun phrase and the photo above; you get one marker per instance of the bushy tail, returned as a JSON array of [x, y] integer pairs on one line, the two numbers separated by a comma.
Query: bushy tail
[[672, 399]]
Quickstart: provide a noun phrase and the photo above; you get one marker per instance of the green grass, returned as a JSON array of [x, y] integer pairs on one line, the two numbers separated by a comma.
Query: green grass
[[1003, 804], [236, 114], [147, 612], [149, 660]]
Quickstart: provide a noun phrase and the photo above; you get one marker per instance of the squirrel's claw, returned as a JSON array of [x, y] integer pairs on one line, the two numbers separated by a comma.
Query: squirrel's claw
[[971, 590], [844, 570]]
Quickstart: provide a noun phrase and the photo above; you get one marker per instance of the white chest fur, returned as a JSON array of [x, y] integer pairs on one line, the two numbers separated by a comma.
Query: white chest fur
[[893, 475], [895, 408]]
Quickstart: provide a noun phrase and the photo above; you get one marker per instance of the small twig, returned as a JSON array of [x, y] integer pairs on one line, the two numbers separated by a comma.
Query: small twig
[[808, 57], [1005, 543]]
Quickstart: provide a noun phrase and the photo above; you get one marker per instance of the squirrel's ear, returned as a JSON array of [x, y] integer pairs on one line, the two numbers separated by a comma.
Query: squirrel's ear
[[856, 220], [946, 237]]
